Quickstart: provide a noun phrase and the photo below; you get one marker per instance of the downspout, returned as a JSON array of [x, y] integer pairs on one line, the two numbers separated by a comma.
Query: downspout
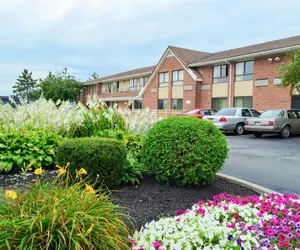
[[230, 83]]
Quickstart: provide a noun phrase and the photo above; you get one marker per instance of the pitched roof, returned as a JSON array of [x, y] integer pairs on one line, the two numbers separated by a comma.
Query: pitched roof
[[188, 55], [123, 74], [272, 45]]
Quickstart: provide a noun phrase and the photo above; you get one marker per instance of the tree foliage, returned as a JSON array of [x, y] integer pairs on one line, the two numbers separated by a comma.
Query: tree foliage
[[58, 87], [94, 76], [291, 72], [26, 87]]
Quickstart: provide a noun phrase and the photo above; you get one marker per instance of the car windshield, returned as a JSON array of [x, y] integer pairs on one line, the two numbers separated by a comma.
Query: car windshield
[[230, 112], [273, 113]]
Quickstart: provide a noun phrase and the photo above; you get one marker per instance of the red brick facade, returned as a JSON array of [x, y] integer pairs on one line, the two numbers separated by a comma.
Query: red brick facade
[[270, 96], [204, 97], [150, 98]]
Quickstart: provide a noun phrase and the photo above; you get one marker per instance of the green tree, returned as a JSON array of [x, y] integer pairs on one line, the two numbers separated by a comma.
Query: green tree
[[26, 87], [94, 76], [60, 87], [291, 71]]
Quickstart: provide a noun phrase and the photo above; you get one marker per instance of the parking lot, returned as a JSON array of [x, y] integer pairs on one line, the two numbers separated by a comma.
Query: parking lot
[[270, 161]]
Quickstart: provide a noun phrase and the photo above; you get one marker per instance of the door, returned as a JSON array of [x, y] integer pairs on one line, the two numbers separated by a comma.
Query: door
[[294, 120], [298, 127]]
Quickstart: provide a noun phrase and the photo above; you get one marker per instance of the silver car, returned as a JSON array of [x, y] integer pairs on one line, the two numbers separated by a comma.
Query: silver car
[[283, 122], [232, 119]]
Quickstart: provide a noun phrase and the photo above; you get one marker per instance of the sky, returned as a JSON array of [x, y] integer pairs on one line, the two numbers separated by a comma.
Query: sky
[[111, 36]]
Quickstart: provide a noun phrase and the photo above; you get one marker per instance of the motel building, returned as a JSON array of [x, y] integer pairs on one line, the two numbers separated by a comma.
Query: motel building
[[185, 79]]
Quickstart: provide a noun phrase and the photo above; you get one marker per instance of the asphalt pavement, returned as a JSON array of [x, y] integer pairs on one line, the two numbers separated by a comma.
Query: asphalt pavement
[[270, 161]]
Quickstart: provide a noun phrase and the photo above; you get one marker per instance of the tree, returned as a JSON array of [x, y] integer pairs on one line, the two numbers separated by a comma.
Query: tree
[[26, 87], [291, 72], [60, 87], [94, 76]]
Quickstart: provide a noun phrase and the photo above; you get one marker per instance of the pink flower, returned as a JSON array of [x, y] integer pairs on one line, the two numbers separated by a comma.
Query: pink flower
[[270, 231], [178, 212], [201, 211], [287, 229], [156, 244], [133, 242]]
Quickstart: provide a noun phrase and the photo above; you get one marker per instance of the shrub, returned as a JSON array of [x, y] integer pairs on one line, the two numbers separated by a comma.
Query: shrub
[[103, 158], [19, 149], [186, 150], [133, 169], [97, 120], [55, 216]]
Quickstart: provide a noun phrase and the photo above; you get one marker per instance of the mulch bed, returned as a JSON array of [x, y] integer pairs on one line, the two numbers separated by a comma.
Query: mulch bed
[[151, 200], [147, 201]]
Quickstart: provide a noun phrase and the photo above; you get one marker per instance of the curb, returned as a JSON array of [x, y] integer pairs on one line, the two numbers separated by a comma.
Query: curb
[[248, 184]]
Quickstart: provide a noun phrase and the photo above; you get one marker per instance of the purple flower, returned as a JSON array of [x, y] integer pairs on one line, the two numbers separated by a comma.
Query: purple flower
[[230, 237], [239, 242]]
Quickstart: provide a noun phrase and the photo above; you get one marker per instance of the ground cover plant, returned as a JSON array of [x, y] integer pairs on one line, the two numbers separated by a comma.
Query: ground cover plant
[[61, 216], [227, 222]]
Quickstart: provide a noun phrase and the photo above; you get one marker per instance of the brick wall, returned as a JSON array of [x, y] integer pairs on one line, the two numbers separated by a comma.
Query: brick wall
[[204, 97], [270, 96], [150, 99]]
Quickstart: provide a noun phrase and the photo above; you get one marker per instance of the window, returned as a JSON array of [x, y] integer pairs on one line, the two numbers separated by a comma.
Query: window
[[273, 113], [227, 111], [163, 104], [292, 114], [107, 104], [108, 87], [133, 84], [220, 74], [163, 79], [255, 113], [116, 86], [138, 104], [244, 71], [81, 91], [177, 77], [89, 89], [143, 81], [177, 104], [219, 103], [243, 102], [246, 113], [94, 89]]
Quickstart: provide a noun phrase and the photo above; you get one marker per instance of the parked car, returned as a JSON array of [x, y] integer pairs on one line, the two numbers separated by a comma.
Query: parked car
[[283, 122], [199, 112], [232, 119]]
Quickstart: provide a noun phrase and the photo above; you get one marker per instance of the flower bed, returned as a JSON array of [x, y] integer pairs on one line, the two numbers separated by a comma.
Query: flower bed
[[227, 222]]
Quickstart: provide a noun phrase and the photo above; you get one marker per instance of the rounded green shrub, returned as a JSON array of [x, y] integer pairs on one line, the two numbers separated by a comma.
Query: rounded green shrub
[[102, 158], [186, 150], [60, 217]]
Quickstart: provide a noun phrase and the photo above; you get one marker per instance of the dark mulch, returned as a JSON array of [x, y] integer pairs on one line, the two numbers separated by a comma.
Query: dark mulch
[[151, 200]]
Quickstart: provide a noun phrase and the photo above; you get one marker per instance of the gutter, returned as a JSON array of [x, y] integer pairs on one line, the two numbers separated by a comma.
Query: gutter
[[117, 78], [230, 83], [246, 56]]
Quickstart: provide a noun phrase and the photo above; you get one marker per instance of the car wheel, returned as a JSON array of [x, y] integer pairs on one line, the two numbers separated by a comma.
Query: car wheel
[[258, 134], [285, 132], [239, 129]]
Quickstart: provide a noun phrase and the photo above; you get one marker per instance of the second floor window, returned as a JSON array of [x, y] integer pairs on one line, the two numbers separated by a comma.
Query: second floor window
[[177, 77], [116, 86], [163, 79], [244, 71], [133, 83], [220, 74], [108, 87], [143, 81], [89, 90], [95, 89]]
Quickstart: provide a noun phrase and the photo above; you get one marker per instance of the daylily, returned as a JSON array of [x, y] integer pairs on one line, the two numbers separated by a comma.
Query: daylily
[[10, 195]]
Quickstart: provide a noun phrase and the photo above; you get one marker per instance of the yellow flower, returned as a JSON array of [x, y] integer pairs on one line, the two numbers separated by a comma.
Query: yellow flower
[[90, 229], [68, 164], [10, 195], [126, 141], [38, 171], [89, 189], [82, 171], [61, 171]]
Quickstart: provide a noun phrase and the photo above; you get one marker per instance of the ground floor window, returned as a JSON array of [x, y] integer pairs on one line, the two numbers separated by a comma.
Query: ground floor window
[[243, 102], [177, 104], [219, 103], [138, 104], [107, 104], [163, 104]]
